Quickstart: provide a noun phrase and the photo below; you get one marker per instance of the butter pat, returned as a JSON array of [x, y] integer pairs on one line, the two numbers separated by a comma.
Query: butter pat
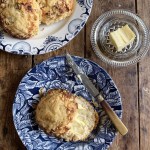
[[122, 37]]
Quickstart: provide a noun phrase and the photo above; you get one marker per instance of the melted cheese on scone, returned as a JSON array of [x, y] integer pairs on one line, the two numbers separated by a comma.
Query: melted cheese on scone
[[66, 115], [55, 10], [83, 122], [20, 18]]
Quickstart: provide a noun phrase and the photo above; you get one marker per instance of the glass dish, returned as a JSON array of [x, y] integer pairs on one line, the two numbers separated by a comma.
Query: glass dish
[[111, 21]]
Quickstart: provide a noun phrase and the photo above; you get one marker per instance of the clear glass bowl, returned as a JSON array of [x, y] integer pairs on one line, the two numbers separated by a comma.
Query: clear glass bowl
[[111, 21]]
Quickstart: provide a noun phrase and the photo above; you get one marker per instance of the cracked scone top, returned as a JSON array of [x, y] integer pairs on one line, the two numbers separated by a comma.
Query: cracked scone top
[[55, 10], [65, 115], [20, 18]]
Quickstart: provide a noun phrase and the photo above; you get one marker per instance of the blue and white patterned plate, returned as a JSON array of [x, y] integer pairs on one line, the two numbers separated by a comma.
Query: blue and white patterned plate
[[51, 37], [56, 73]]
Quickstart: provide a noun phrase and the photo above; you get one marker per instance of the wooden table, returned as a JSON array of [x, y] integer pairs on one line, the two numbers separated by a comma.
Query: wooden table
[[133, 82]]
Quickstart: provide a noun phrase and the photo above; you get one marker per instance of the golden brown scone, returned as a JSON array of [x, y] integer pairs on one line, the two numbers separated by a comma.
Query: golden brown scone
[[20, 18], [65, 115], [2, 5], [55, 10]]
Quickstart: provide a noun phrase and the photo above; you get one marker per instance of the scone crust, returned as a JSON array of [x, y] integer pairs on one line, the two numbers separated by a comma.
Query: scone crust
[[57, 114], [20, 18], [55, 10], [55, 110]]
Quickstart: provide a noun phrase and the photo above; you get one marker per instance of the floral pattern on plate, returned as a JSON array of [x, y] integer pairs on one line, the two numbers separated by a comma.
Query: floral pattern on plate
[[56, 73]]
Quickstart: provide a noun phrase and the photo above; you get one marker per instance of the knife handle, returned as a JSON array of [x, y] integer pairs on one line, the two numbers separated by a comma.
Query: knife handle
[[112, 115]]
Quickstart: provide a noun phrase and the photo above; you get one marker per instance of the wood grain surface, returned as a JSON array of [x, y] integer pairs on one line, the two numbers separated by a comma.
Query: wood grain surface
[[133, 82], [12, 69], [143, 9]]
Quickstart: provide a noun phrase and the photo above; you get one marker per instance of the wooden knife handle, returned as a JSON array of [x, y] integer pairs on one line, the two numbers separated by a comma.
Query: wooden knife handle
[[112, 115]]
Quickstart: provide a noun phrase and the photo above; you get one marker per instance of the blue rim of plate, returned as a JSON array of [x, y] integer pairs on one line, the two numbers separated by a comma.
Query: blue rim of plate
[[52, 42], [55, 73]]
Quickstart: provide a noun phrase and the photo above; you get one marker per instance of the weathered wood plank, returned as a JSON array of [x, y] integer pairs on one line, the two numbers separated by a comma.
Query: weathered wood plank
[[143, 9], [125, 79], [12, 69]]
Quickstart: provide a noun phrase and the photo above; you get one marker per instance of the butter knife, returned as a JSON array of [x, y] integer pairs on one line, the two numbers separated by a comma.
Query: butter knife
[[96, 94]]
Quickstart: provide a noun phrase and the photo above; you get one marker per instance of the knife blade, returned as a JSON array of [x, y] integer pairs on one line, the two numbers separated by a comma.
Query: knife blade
[[82, 76], [96, 94]]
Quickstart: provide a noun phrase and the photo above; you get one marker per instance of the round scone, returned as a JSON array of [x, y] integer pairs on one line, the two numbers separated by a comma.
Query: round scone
[[55, 10], [66, 115], [20, 18]]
